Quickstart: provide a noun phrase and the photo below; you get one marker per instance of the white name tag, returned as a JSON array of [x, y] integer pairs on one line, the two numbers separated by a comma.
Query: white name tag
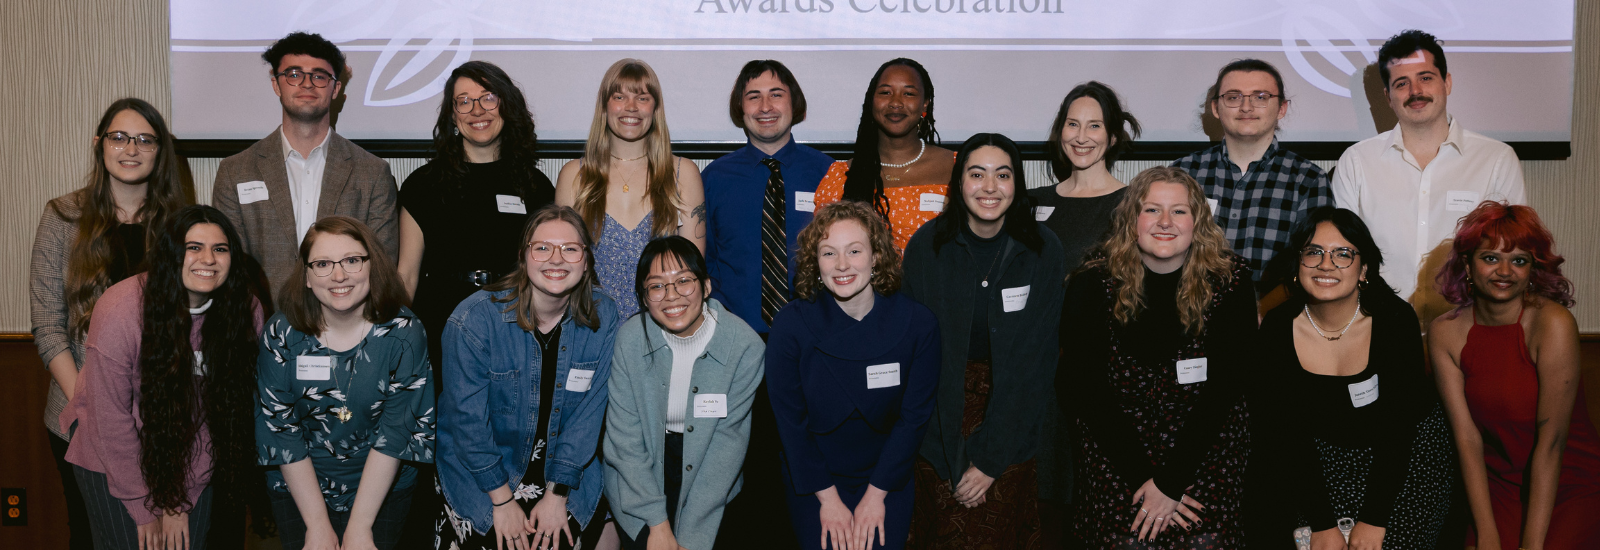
[[1192, 370], [1364, 393], [1215, 205], [711, 405], [805, 202], [883, 376], [579, 379], [510, 204], [199, 363], [1014, 299], [932, 202], [1042, 213], [307, 367], [252, 191], [1462, 201]]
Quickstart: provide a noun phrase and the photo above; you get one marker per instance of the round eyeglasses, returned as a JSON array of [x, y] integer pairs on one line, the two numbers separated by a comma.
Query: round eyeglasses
[[294, 77], [1343, 257], [489, 102], [351, 265], [542, 251], [685, 286]]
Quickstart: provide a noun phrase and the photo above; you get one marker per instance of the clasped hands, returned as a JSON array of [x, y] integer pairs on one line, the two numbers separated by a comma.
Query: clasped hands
[[170, 531], [1363, 536], [1157, 512], [852, 530], [546, 523]]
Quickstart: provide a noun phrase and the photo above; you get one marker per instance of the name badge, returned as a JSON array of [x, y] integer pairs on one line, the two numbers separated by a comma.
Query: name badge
[[252, 191], [805, 202], [1042, 213], [1215, 205], [883, 376], [1364, 393], [510, 204], [199, 363], [1014, 299], [1192, 370], [932, 202], [711, 405], [1462, 201], [578, 380], [307, 367]]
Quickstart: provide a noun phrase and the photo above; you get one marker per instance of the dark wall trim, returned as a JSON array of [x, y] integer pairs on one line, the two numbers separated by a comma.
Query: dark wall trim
[[1031, 150]]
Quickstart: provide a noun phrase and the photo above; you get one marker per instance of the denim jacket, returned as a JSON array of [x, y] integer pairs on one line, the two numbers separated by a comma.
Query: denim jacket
[[490, 404]]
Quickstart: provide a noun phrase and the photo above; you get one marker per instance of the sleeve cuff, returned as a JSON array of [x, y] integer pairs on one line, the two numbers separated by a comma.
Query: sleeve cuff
[[563, 473], [491, 478]]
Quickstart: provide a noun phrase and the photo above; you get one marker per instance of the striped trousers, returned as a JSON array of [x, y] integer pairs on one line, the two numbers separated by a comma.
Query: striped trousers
[[113, 528]]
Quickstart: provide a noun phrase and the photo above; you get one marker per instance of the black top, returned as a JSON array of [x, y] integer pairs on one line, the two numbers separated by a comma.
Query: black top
[[549, 343], [463, 230], [1298, 407], [1090, 336], [126, 242], [1079, 222], [985, 256]]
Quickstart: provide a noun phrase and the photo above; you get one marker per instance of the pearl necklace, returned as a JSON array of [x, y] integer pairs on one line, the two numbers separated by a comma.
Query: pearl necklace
[[1346, 325], [905, 164]]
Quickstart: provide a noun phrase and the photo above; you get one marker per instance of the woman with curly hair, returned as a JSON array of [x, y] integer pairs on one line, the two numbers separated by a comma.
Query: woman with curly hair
[[90, 239], [161, 420], [1155, 332], [1506, 365], [851, 367], [344, 382]]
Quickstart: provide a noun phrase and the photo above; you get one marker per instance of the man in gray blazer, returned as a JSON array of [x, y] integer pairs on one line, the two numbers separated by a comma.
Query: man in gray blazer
[[274, 190]]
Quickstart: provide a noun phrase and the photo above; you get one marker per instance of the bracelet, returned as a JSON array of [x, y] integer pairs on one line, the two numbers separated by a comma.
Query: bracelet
[[508, 501]]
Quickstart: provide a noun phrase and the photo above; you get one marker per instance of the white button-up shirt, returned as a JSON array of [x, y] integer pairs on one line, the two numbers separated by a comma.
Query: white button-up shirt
[[305, 181], [1409, 209]]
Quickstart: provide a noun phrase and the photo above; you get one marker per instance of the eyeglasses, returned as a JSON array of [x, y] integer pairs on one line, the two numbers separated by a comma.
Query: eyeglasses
[[1343, 257], [120, 141], [1235, 99], [489, 102], [541, 251], [351, 265], [685, 286], [295, 76]]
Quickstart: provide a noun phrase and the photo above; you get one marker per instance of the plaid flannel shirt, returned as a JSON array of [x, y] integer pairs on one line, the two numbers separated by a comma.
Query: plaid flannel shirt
[[1257, 208]]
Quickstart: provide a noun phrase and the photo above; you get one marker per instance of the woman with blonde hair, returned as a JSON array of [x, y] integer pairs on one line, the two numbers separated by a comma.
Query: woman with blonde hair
[[628, 186], [1164, 436]]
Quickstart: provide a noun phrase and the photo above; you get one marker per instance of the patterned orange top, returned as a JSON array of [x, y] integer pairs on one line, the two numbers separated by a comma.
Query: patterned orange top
[[909, 206]]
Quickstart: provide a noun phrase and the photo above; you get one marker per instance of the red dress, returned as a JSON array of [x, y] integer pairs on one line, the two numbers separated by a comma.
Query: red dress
[[1502, 390]]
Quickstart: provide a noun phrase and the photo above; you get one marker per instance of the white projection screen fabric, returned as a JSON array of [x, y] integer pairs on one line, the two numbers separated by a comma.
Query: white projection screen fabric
[[997, 65]]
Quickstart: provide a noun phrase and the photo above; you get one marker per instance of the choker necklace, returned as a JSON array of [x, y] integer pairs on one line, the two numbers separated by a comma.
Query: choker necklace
[[632, 159], [1346, 325], [905, 164]]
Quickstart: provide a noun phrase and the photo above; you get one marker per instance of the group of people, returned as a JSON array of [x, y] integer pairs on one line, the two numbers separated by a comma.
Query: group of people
[[938, 355]]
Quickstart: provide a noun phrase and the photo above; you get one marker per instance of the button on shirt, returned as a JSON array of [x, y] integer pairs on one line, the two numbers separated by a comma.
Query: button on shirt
[[735, 187], [1259, 206], [305, 181], [1411, 209]]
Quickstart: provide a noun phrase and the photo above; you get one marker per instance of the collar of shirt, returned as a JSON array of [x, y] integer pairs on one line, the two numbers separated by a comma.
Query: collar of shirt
[[785, 154], [1272, 151], [1456, 139], [320, 150]]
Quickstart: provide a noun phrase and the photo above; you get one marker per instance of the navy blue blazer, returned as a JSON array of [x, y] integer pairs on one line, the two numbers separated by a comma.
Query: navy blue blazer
[[817, 362]]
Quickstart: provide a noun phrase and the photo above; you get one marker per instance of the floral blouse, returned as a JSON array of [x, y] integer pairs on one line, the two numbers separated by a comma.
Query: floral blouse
[[335, 406]]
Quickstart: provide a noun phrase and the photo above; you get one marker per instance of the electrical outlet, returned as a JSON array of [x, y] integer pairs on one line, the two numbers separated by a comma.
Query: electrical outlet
[[13, 507]]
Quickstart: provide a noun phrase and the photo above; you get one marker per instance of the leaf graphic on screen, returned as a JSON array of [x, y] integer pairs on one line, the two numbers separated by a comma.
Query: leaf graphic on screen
[[425, 69], [344, 20], [1394, 16], [1319, 27]]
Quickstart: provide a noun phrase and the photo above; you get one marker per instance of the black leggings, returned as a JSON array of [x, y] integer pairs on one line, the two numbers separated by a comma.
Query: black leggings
[[385, 528], [672, 477]]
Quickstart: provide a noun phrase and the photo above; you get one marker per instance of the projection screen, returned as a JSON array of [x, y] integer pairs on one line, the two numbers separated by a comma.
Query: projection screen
[[997, 65]]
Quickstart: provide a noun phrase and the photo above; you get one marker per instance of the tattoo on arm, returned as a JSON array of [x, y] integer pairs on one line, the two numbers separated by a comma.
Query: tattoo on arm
[[699, 218]]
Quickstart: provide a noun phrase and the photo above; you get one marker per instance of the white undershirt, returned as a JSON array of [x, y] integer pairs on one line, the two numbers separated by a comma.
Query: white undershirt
[[685, 350]]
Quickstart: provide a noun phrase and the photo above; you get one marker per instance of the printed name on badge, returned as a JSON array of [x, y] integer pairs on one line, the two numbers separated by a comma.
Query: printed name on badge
[[308, 367], [1364, 393], [199, 363], [883, 376], [805, 202], [252, 191], [1042, 213], [710, 405], [510, 204], [1192, 370], [1014, 299], [579, 379], [932, 202], [1462, 201]]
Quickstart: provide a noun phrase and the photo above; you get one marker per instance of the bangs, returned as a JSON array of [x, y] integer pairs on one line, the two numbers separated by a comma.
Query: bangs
[[636, 79]]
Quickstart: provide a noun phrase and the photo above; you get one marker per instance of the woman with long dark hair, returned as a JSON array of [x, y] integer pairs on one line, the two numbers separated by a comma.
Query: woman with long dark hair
[[88, 240], [1350, 437], [898, 166], [162, 417], [346, 395], [1506, 365], [628, 186], [1155, 333], [528, 360], [993, 278]]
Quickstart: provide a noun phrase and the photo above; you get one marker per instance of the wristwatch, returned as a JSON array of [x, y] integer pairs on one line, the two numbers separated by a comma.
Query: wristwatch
[[560, 489]]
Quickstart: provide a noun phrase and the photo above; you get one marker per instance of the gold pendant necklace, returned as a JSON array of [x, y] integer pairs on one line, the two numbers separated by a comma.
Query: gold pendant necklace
[[343, 411], [614, 157]]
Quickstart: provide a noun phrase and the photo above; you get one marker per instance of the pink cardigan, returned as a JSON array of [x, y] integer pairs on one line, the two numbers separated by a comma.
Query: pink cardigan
[[105, 405]]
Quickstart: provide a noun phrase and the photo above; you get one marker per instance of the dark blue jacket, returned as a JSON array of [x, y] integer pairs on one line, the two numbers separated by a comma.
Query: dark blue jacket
[[817, 360]]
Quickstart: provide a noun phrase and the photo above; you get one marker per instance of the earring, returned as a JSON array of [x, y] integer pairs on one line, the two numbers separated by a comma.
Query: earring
[[455, 131], [1297, 278]]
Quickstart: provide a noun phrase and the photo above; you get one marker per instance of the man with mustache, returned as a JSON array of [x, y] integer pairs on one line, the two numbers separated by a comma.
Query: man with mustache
[[1257, 190], [1412, 183], [275, 189]]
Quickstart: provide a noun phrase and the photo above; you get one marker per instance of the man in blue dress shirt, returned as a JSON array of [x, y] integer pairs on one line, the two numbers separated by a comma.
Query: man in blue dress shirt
[[766, 103]]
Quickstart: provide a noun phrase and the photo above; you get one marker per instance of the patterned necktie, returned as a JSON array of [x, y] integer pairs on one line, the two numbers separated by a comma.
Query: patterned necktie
[[774, 246]]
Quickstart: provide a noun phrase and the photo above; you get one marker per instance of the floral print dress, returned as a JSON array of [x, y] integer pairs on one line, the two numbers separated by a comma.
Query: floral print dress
[[337, 406]]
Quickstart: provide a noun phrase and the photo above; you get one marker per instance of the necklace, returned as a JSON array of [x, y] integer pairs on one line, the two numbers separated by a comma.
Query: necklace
[[343, 411], [990, 271], [905, 164], [625, 184], [1346, 325]]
